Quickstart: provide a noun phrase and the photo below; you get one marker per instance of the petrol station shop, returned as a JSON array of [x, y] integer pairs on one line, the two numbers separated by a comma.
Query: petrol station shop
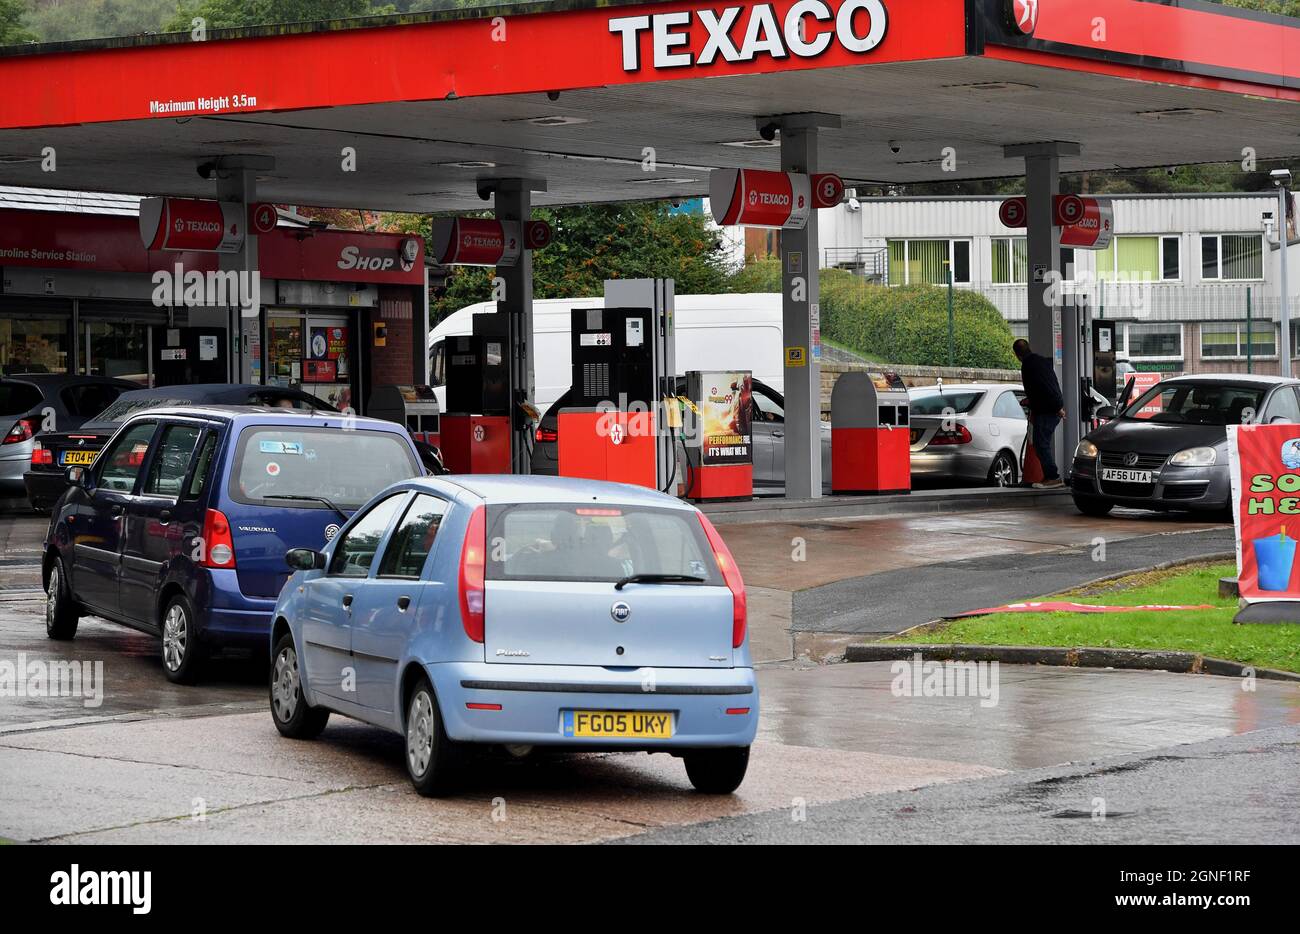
[[339, 312]]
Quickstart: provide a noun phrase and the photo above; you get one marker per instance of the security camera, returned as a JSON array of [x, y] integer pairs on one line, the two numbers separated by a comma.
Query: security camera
[[894, 147], [768, 131], [1280, 177], [206, 169], [1170, 170], [552, 96]]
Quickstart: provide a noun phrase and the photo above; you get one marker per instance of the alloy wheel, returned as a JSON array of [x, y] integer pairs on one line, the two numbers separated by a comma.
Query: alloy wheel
[[52, 596], [175, 637]]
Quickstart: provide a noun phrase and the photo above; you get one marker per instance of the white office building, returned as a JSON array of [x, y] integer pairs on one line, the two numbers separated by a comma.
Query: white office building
[[1180, 274]]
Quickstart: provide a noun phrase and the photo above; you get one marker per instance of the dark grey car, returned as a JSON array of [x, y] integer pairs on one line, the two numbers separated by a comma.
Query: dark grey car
[[1168, 449]]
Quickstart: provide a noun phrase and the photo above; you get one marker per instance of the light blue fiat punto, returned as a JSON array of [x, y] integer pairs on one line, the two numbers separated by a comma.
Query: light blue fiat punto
[[522, 612]]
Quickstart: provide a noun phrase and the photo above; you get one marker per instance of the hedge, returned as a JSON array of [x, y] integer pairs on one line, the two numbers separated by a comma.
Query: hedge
[[900, 324]]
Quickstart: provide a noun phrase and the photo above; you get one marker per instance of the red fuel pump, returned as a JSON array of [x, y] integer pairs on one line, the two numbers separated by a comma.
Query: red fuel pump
[[475, 431]]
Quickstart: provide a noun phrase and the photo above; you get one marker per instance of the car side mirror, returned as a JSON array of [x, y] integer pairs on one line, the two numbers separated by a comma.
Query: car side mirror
[[1106, 411], [304, 559], [78, 476]]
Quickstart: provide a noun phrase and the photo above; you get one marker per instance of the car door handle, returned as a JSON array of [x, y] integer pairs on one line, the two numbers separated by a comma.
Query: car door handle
[[347, 600], [115, 510], [403, 603], [165, 516]]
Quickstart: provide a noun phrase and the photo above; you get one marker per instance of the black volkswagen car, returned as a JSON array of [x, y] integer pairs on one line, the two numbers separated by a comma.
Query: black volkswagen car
[[1168, 449]]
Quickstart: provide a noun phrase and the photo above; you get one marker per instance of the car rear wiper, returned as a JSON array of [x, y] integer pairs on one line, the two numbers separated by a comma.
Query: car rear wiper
[[658, 579], [309, 499]]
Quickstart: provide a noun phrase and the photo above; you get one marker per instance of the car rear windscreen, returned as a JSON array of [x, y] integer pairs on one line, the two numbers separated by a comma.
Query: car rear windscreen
[[18, 398], [345, 466], [556, 542], [944, 403], [128, 404]]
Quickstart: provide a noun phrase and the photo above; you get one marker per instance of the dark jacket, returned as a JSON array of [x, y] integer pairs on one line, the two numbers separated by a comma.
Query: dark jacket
[[1042, 391]]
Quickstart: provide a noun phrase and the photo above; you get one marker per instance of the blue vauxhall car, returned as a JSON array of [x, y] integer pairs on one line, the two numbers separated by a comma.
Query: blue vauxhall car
[[521, 612], [180, 525]]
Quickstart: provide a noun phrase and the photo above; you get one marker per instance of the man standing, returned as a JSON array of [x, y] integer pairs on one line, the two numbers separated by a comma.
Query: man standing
[[1046, 408]]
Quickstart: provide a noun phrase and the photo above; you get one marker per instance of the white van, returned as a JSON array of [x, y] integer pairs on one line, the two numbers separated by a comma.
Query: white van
[[714, 332]]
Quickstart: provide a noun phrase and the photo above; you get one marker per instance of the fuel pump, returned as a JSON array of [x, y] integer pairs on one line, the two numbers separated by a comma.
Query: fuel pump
[[476, 427], [616, 426]]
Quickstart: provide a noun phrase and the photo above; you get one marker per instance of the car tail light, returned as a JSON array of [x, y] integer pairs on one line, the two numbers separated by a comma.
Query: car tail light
[[546, 434], [471, 705], [23, 430], [473, 563], [41, 455], [957, 435], [218, 546], [731, 576]]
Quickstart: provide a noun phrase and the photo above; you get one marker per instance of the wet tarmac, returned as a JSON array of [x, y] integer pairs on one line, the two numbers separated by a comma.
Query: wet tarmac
[[150, 761]]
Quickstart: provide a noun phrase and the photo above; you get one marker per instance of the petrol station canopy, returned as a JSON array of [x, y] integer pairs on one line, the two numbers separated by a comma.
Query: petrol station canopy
[[574, 93]]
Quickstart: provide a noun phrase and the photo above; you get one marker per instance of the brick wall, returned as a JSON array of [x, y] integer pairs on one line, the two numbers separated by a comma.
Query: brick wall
[[392, 364]]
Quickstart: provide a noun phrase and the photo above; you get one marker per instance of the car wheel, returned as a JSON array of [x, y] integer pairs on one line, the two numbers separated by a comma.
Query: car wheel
[[717, 771], [181, 652], [61, 615], [1002, 472], [1092, 506], [293, 716], [430, 754]]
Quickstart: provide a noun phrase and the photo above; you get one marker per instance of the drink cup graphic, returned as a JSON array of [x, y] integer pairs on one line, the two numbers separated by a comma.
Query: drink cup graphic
[[1274, 558]]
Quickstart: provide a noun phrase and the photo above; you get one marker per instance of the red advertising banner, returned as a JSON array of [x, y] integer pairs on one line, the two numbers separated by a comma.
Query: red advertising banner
[[111, 243], [760, 198], [190, 224], [1095, 226], [546, 51], [476, 241], [1264, 461]]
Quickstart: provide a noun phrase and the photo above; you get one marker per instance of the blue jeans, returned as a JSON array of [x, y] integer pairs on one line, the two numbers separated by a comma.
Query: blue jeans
[[1044, 429]]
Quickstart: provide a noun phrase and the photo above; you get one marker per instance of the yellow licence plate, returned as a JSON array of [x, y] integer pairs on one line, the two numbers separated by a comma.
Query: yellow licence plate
[[632, 724], [79, 457]]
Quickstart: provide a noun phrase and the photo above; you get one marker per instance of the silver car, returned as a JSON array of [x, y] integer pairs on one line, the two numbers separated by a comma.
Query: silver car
[[972, 432]]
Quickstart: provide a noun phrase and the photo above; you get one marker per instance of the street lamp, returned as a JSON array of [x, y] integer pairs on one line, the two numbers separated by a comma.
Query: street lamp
[[1282, 178]]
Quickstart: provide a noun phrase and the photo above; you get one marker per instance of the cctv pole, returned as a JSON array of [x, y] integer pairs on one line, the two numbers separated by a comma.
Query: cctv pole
[[1285, 345]]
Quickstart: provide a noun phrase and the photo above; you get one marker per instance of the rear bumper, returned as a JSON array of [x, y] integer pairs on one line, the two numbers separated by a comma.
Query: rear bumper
[[533, 698], [228, 617], [15, 460], [965, 465], [44, 487]]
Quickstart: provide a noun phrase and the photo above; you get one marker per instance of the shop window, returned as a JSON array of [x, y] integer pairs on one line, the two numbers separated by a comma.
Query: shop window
[[1153, 341], [34, 345], [1232, 257], [917, 261], [1010, 260], [119, 349], [1229, 339]]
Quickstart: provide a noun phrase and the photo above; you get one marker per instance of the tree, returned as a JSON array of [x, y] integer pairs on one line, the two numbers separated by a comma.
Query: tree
[[67, 20], [12, 30], [221, 14], [593, 243]]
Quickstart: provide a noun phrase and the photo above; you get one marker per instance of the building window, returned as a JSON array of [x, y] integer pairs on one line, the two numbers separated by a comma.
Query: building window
[[1162, 340], [1010, 259], [34, 345], [1019, 329], [1232, 257], [915, 261], [1228, 339], [1147, 259]]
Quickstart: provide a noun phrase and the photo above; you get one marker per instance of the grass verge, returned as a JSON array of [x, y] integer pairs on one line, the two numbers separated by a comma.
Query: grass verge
[[1207, 632]]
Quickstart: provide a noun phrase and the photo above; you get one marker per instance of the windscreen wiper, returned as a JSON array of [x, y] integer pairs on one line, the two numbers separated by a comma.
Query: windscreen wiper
[[309, 499], [658, 579]]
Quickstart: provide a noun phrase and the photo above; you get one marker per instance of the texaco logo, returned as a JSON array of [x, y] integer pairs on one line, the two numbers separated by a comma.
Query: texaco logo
[[1024, 15], [479, 433], [753, 196], [179, 225], [330, 531], [616, 433]]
